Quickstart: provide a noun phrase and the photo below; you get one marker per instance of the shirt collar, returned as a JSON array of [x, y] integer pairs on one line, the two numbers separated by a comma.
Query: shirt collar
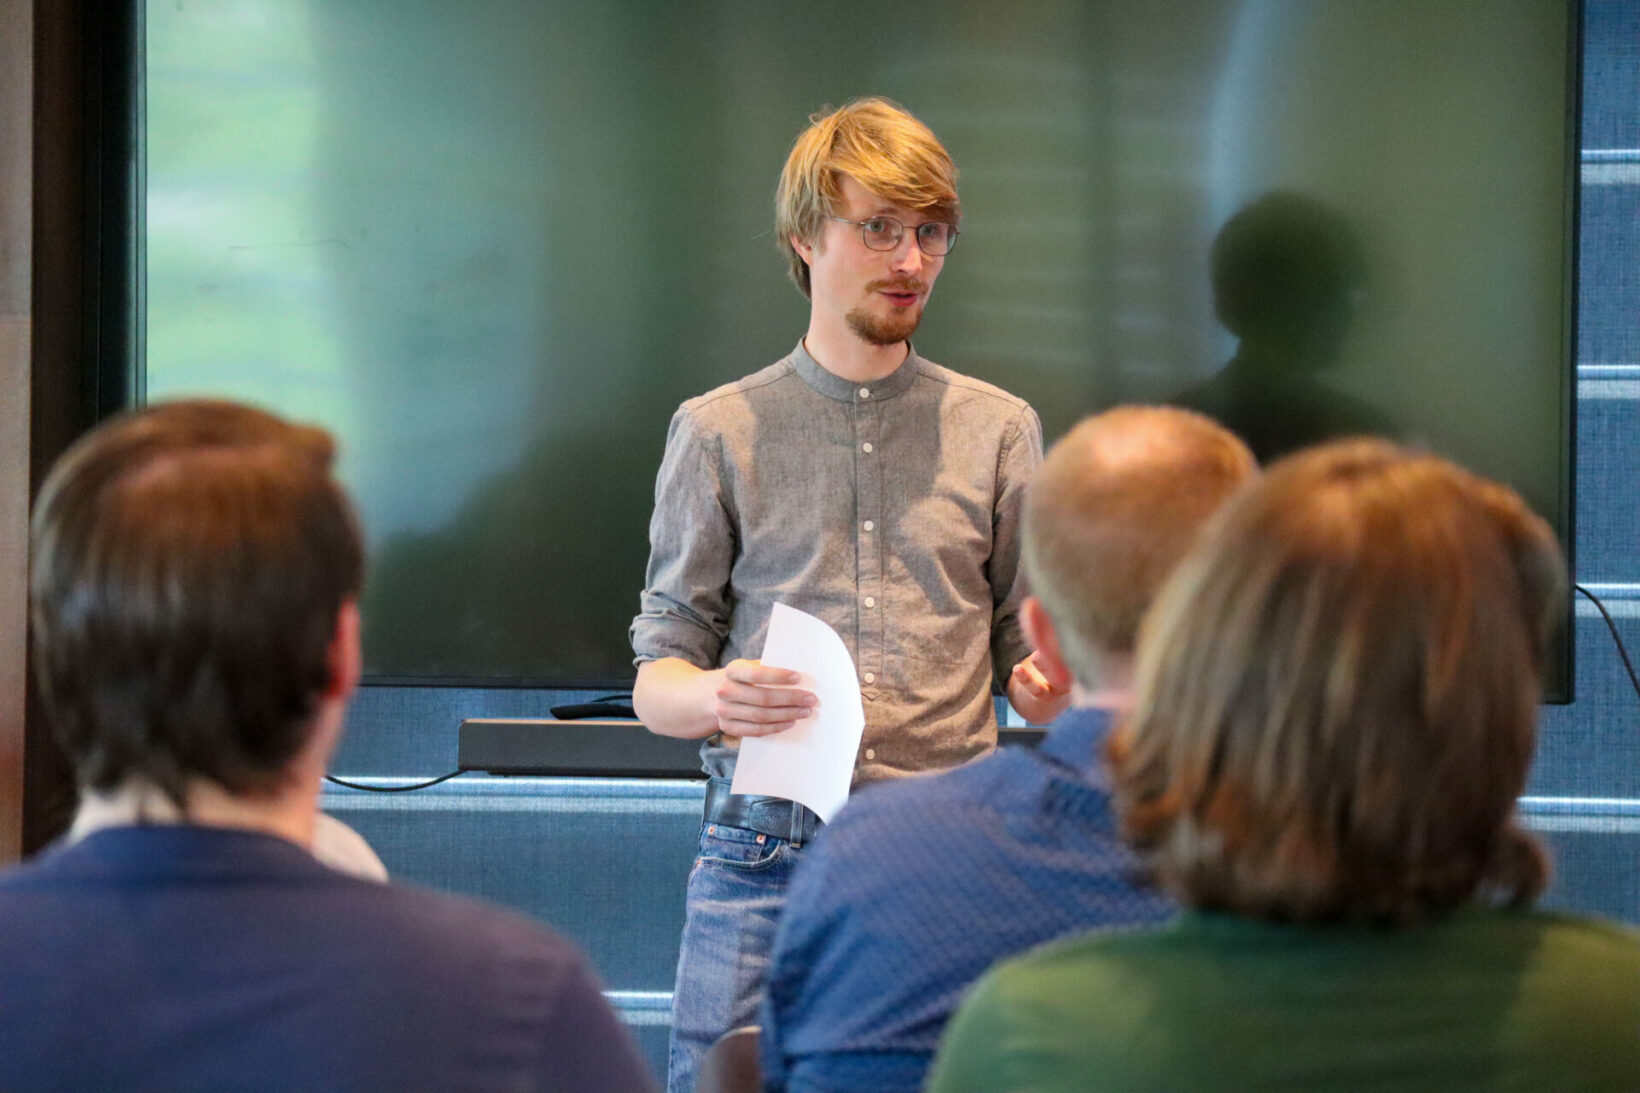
[[833, 386], [1077, 738]]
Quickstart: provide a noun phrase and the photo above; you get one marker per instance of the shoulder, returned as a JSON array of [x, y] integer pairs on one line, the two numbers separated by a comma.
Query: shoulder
[[725, 398], [927, 810], [970, 787], [1091, 965], [976, 390], [1045, 979], [891, 854], [1596, 943], [54, 863], [426, 911], [457, 931], [729, 411]]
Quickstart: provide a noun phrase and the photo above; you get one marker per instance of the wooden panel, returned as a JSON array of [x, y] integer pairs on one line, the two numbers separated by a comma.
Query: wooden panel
[[60, 295], [16, 188]]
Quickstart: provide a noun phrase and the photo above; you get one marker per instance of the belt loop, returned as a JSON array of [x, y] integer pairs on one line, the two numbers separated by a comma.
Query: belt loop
[[798, 815]]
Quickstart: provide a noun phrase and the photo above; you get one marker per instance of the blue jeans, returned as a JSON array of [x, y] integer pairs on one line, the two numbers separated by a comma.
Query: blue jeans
[[736, 890]]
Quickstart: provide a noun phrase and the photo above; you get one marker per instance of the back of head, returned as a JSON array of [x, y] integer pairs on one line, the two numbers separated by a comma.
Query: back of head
[[1336, 696], [881, 146], [189, 562], [1115, 506]]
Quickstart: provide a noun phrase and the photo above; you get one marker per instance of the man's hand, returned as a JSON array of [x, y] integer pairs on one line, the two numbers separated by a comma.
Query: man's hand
[[743, 698], [756, 701], [1040, 692]]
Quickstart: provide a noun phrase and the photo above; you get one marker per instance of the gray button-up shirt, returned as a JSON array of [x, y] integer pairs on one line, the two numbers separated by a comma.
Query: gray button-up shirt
[[889, 509]]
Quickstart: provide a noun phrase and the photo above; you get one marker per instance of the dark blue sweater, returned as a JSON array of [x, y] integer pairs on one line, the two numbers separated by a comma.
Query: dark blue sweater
[[182, 958]]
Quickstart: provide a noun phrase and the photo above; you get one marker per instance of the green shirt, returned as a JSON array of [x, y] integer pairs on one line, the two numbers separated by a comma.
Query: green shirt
[[1483, 1000]]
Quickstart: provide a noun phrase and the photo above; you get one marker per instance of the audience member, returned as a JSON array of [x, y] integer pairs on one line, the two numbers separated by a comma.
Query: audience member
[[196, 638], [1335, 706], [920, 886]]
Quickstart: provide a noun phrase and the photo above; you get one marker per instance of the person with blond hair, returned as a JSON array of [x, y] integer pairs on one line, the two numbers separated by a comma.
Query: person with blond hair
[[195, 574], [858, 482], [1336, 700], [920, 886]]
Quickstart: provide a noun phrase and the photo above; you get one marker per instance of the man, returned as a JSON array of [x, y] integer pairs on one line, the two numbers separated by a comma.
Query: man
[[858, 482], [195, 575], [919, 887]]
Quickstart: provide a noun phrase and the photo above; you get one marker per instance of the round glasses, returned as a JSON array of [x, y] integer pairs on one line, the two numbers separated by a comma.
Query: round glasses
[[934, 237]]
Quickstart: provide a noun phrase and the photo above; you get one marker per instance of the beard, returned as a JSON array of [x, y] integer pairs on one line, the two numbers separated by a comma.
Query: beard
[[891, 329]]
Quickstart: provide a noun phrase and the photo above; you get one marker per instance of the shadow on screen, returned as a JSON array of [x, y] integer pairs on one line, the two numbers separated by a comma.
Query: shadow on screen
[[1287, 273]]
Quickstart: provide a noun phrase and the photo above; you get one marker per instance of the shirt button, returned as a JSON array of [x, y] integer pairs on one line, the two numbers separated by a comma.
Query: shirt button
[[865, 392], [871, 677], [866, 447], [869, 526], [871, 601], [871, 753]]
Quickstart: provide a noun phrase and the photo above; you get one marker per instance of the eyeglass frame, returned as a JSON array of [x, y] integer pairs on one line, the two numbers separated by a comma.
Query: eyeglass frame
[[916, 233]]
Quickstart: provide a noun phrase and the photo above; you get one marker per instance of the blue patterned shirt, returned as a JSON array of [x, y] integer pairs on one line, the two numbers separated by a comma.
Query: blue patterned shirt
[[920, 886]]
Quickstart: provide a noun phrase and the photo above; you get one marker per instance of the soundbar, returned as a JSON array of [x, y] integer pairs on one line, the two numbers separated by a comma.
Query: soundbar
[[595, 748], [589, 748]]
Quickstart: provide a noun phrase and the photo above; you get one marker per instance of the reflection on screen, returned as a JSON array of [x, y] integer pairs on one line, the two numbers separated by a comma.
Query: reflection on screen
[[493, 252]]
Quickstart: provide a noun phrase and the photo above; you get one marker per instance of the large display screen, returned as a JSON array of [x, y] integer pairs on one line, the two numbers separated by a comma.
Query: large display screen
[[493, 245]]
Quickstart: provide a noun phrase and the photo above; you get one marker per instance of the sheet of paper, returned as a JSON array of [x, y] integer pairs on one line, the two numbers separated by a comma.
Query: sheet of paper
[[812, 762]]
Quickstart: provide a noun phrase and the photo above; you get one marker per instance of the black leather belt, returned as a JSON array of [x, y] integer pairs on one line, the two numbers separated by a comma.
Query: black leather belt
[[774, 816]]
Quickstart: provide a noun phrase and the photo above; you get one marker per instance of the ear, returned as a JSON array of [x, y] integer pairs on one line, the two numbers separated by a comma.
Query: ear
[[1040, 630], [804, 249], [346, 658]]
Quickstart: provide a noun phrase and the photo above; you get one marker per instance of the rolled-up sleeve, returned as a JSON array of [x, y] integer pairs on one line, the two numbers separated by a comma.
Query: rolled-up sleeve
[[1016, 462], [685, 607]]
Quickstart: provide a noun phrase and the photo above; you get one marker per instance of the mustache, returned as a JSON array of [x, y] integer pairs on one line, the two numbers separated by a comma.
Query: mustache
[[898, 284]]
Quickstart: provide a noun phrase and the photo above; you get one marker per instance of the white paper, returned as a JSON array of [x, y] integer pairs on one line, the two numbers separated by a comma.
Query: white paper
[[812, 762]]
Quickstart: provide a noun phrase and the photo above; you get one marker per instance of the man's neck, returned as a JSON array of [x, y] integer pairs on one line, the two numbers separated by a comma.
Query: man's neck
[[1110, 686], [846, 354], [289, 814]]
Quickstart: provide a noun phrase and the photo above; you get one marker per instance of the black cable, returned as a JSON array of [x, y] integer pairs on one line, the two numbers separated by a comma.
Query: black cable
[[617, 705], [393, 789], [1618, 638]]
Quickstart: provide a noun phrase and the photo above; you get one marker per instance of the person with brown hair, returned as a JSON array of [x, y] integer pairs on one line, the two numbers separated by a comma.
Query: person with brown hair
[[858, 482], [1336, 699], [920, 886], [195, 576]]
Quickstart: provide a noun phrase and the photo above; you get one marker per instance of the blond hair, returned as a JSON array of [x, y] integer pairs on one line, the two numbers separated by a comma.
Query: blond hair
[[1337, 695], [1118, 501], [881, 146]]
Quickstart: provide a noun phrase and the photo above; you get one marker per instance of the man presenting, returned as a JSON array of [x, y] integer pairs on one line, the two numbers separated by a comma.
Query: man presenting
[[920, 887], [852, 480]]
